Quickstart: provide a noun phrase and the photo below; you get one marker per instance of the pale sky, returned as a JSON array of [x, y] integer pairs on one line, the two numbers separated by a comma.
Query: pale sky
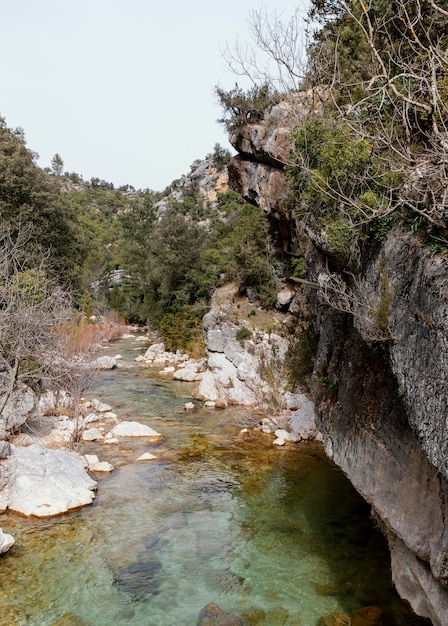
[[123, 90]]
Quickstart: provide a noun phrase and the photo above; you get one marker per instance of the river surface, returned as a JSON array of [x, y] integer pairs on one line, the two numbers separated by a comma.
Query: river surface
[[276, 536]]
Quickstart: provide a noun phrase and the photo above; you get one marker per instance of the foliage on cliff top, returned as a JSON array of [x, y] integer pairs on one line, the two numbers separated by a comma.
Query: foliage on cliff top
[[387, 68], [377, 152], [245, 106]]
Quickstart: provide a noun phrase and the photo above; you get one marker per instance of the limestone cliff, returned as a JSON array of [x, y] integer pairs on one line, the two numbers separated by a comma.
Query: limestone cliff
[[380, 395]]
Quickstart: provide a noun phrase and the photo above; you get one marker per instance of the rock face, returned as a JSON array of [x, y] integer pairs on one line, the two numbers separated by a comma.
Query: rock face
[[379, 382], [233, 365], [263, 149], [384, 418], [207, 176]]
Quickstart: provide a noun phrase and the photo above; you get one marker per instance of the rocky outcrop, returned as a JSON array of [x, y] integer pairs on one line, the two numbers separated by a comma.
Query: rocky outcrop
[[379, 382], [263, 150], [233, 358], [207, 177]]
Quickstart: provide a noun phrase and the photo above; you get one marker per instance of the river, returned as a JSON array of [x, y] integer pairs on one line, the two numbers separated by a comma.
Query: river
[[276, 536]]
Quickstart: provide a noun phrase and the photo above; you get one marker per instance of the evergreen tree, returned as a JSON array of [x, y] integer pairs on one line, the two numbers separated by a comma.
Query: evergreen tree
[[32, 201]]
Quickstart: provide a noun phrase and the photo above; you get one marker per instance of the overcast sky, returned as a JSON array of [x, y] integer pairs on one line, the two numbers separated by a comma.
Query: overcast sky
[[123, 90]]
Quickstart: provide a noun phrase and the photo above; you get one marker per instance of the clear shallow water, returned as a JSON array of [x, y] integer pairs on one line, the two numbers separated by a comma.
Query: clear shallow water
[[277, 536]]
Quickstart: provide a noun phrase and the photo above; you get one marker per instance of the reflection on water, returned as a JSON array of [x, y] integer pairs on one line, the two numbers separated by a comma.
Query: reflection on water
[[277, 536]]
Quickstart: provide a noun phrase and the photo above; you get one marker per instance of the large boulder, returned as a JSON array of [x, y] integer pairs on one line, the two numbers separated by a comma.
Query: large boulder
[[43, 482]]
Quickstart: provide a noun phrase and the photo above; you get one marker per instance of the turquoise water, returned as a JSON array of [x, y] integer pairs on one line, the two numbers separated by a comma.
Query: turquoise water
[[276, 536]]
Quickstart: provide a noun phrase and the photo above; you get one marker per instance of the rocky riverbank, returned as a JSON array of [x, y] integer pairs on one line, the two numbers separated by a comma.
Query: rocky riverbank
[[245, 350], [41, 473]]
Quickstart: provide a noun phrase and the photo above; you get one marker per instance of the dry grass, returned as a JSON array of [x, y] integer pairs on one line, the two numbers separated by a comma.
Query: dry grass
[[245, 313], [83, 337]]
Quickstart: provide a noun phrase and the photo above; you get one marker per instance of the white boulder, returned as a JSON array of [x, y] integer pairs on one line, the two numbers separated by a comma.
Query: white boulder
[[155, 349], [104, 363], [283, 435], [101, 407], [95, 465], [187, 374], [6, 541], [46, 482], [146, 456], [92, 434], [135, 429]]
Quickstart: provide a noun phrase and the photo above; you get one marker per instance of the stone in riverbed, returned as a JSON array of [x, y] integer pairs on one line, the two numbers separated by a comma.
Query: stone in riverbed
[[92, 434], [213, 615], [95, 465], [101, 407], [135, 429], [6, 541], [146, 456], [46, 482], [283, 435], [110, 439], [104, 363], [139, 579]]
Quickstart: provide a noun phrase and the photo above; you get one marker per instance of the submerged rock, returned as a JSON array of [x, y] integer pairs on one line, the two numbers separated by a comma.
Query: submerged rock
[[213, 615], [335, 619], [139, 578], [69, 619]]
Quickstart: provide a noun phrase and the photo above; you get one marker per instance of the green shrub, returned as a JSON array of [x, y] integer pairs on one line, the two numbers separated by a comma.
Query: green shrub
[[243, 333], [181, 329]]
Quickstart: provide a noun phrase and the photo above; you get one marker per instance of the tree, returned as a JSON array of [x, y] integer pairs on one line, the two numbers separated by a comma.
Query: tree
[[398, 104], [36, 350], [28, 196], [385, 67], [57, 165], [245, 107], [275, 56]]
